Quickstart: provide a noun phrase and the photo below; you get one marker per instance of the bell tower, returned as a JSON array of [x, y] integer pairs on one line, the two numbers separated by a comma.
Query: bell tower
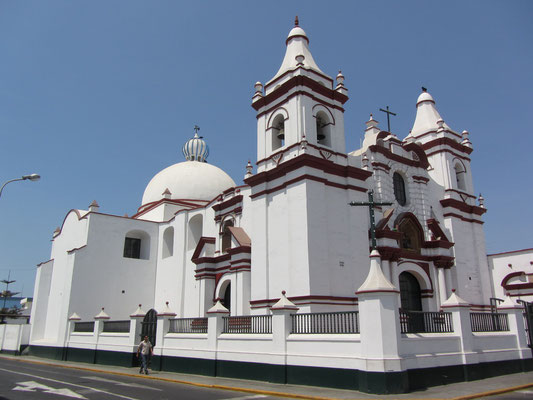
[[300, 103], [306, 237]]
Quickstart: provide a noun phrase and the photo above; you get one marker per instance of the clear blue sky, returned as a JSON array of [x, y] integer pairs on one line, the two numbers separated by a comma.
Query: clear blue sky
[[99, 96]]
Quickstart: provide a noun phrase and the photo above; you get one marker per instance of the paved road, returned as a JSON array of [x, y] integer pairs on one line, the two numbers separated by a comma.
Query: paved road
[[27, 381], [517, 395]]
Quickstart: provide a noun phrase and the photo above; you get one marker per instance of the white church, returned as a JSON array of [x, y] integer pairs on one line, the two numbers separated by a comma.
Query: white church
[[214, 257]]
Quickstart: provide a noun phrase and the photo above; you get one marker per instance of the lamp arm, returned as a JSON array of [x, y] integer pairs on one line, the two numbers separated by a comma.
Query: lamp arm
[[4, 185]]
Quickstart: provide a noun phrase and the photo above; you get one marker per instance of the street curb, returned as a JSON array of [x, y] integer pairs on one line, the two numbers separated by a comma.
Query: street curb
[[493, 392], [258, 391]]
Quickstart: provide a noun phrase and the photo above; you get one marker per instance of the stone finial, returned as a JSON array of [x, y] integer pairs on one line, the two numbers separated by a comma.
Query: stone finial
[[364, 161], [296, 21], [371, 123], [258, 94], [218, 308], [440, 124], [101, 315], [340, 79], [249, 170], [466, 141], [138, 312], [481, 201], [74, 317], [94, 207], [166, 312], [166, 194], [284, 303]]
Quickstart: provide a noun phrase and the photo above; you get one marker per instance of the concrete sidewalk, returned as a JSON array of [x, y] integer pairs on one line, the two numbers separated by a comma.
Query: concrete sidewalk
[[456, 391]]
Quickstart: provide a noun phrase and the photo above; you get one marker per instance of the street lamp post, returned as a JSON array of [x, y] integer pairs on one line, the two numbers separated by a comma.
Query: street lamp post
[[31, 177]]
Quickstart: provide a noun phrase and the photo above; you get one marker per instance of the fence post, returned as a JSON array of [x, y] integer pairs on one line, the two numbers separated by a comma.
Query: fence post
[[462, 326], [516, 325], [215, 325], [380, 332], [281, 324], [163, 324], [135, 327], [71, 325]]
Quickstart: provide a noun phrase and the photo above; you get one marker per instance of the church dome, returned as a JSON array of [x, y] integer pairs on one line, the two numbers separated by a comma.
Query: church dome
[[193, 179]]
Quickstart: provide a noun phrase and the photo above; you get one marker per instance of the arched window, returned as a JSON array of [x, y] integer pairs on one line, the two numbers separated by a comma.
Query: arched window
[[410, 294], [399, 189], [137, 245], [195, 231], [323, 134], [168, 242], [278, 132], [460, 175], [225, 240], [411, 238]]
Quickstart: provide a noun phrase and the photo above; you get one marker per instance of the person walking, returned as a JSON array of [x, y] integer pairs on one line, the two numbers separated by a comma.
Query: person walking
[[145, 350]]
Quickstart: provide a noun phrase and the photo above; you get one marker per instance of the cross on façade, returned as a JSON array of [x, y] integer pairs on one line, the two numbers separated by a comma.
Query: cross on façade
[[389, 113], [371, 204]]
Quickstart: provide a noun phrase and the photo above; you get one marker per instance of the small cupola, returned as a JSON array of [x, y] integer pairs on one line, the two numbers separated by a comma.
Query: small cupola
[[427, 118], [196, 149], [297, 54]]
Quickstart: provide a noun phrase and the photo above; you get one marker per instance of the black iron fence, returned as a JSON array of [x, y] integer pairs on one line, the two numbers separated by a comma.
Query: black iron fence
[[248, 324], [116, 326], [334, 322], [489, 322], [425, 322], [84, 326], [188, 325]]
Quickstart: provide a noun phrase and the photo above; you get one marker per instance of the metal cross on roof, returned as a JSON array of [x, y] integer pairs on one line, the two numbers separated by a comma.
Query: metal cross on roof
[[371, 204], [196, 128], [389, 113]]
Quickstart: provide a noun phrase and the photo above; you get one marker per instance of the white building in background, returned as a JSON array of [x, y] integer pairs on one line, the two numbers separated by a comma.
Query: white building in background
[[198, 237], [512, 273]]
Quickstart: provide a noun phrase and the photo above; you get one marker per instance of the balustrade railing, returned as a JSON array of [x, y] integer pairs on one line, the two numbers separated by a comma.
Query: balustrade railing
[[116, 326], [188, 325], [84, 326], [247, 324], [425, 322], [489, 322], [334, 322]]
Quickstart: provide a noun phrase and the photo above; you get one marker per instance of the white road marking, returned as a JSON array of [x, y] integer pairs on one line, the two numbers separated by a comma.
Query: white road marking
[[257, 396], [525, 391], [32, 386], [118, 383], [68, 383]]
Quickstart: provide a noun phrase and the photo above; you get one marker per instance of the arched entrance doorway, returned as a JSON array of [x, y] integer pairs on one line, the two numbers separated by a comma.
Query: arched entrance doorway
[[226, 300], [149, 326], [410, 294]]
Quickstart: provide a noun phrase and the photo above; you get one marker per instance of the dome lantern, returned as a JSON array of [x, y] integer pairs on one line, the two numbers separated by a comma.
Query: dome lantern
[[196, 149]]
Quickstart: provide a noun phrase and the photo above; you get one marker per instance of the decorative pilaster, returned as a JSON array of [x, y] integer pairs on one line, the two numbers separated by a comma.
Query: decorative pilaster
[[215, 324], [379, 324], [281, 324], [135, 326], [462, 327], [163, 325]]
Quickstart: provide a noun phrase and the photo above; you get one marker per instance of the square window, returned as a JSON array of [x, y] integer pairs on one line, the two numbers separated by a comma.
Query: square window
[[132, 248]]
